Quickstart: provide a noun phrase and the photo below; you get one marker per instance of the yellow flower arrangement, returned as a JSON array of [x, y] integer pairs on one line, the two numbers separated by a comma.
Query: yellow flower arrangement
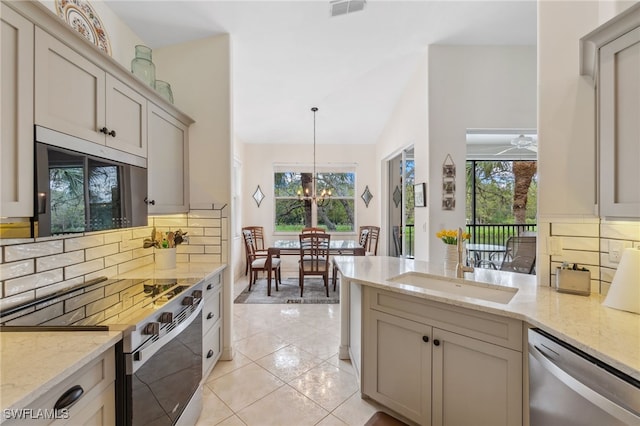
[[450, 236]]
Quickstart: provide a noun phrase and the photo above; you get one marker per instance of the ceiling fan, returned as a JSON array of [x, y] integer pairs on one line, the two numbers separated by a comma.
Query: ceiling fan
[[522, 142]]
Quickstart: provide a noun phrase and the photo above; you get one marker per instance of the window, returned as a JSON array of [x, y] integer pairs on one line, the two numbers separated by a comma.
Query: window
[[337, 214], [501, 199]]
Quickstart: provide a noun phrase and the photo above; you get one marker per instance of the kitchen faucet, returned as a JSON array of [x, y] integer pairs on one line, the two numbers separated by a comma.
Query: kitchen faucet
[[461, 268]]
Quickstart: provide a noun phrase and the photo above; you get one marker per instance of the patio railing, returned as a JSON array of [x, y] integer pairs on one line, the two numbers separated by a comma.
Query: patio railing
[[498, 234]]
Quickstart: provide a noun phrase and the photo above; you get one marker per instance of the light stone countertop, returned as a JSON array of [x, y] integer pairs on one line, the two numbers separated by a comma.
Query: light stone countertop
[[32, 363], [198, 270], [610, 335]]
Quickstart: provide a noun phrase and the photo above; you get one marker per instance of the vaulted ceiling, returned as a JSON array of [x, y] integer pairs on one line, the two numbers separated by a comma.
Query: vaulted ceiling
[[291, 55]]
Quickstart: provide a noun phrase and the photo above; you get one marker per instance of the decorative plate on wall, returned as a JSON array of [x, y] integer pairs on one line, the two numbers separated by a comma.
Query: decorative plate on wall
[[81, 17]]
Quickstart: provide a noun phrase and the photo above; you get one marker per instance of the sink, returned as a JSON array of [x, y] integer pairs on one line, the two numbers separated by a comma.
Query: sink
[[488, 292]]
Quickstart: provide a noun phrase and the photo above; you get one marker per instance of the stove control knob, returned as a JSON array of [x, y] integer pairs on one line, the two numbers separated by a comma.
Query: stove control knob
[[189, 301], [151, 328], [197, 294], [166, 317]]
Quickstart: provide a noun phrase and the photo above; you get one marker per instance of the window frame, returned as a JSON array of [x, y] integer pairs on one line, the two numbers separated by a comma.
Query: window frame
[[320, 170]]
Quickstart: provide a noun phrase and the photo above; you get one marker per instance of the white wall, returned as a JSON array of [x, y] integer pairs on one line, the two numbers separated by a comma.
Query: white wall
[[471, 87], [408, 125], [200, 76], [257, 165]]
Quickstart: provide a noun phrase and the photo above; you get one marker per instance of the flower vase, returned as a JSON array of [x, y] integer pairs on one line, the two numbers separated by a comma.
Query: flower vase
[[451, 257], [142, 65], [165, 258]]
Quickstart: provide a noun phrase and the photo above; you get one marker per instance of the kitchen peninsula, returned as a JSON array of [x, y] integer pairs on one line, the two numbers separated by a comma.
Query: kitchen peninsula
[[412, 339]]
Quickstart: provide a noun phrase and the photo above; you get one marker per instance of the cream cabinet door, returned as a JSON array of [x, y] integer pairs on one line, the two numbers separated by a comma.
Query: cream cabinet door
[[126, 118], [619, 133], [474, 382], [16, 117], [396, 368], [69, 90], [168, 163]]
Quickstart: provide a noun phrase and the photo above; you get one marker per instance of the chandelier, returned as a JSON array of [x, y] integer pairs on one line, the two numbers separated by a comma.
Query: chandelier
[[312, 195]]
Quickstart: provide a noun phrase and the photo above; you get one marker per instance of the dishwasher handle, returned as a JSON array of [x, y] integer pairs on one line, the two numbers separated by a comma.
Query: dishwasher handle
[[583, 390]]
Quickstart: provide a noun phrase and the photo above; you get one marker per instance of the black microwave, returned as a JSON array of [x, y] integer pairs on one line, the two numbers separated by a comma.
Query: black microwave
[[82, 186]]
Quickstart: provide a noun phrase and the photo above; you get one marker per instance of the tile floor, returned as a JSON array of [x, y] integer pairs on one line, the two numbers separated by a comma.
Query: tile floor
[[286, 371]]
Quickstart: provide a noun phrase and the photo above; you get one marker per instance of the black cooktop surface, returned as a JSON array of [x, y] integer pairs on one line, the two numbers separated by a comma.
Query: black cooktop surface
[[95, 304]]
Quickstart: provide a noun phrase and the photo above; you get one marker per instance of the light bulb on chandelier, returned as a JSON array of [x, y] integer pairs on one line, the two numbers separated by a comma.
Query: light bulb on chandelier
[[313, 196]]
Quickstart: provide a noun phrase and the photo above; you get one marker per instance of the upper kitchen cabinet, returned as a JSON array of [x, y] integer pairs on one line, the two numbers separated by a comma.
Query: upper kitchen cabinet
[[16, 95], [611, 56], [168, 163], [77, 97]]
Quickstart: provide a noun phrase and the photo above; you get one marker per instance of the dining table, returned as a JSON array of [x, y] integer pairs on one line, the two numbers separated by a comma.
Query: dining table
[[292, 248], [483, 252]]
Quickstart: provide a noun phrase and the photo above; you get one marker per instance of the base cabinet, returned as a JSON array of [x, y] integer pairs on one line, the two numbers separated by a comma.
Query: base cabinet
[[95, 404], [211, 324], [438, 376]]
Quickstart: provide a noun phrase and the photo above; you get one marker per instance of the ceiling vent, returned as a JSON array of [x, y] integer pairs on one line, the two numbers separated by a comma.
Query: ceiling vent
[[342, 7]]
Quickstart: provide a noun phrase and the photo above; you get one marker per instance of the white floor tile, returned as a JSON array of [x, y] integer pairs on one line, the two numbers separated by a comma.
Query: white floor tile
[[285, 406], [279, 344], [289, 362], [326, 385], [244, 386]]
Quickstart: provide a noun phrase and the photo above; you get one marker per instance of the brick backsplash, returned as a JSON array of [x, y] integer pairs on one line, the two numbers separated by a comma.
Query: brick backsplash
[[587, 244], [34, 268]]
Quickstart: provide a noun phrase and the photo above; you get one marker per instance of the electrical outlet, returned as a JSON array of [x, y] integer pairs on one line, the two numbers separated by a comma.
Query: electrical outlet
[[615, 250]]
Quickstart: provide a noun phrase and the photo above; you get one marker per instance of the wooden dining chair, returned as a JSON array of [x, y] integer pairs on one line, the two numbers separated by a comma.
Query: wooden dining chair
[[363, 241], [257, 233], [313, 230], [314, 257], [371, 249], [259, 263]]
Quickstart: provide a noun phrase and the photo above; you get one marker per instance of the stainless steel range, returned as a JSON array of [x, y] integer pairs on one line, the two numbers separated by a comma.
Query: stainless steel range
[[159, 360]]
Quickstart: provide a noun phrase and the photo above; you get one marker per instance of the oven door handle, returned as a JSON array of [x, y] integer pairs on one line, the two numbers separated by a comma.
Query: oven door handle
[[137, 358], [581, 389]]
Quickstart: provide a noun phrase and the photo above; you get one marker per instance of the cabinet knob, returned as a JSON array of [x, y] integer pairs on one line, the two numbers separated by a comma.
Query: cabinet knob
[[209, 286], [436, 342], [104, 130], [112, 133], [147, 201], [210, 315], [425, 339], [210, 353]]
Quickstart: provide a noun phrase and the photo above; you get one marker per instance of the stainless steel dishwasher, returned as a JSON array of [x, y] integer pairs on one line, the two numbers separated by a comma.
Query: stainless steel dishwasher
[[568, 387]]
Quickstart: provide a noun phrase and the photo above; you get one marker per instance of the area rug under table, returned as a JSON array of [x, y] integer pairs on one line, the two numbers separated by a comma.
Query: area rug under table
[[289, 292]]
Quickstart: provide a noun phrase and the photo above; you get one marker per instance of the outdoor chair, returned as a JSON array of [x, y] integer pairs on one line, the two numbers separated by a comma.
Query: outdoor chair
[[520, 255]]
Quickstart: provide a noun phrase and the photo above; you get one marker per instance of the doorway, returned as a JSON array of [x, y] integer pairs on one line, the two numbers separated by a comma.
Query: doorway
[[401, 172]]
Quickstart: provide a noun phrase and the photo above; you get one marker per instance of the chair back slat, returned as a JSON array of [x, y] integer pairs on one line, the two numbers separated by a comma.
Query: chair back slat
[[314, 253], [371, 247], [257, 233]]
